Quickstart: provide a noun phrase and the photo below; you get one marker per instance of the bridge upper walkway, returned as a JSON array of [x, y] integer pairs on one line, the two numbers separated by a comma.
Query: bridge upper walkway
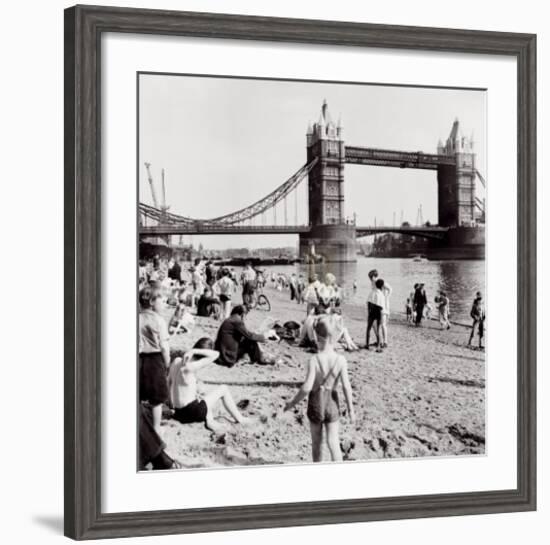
[[198, 228]]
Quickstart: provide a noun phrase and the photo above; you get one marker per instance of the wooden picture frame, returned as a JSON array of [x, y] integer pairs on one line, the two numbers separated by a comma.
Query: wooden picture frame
[[84, 26]]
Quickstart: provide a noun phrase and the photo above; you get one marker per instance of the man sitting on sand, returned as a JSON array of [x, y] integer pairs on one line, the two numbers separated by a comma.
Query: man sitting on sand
[[189, 406], [326, 370], [234, 340]]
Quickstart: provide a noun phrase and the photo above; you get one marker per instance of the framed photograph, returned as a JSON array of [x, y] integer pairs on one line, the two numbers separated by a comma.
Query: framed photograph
[[300, 272]]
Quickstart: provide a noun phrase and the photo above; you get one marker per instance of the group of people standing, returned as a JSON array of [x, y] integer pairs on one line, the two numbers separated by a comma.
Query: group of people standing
[[418, 307]]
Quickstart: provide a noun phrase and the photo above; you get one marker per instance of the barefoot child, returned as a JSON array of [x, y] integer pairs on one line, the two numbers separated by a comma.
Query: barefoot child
[[325, 371], [189, 405]]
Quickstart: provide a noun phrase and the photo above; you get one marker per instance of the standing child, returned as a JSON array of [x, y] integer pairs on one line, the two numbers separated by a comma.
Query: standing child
[[386, 291], [326, 370], [375, 304], [154, 353], [478, 316], [442, 302], [409, 310]]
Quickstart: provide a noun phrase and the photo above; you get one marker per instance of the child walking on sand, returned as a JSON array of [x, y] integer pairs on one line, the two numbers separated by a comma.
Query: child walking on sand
[[325, 371], [182, 380]]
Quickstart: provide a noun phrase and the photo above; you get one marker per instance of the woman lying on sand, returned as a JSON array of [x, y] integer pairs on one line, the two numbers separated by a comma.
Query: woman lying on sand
[[182, 382], [325, 371]]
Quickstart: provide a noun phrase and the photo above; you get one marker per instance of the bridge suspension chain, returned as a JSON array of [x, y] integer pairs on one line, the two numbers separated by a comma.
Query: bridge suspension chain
[[240, 216], [481, 178]]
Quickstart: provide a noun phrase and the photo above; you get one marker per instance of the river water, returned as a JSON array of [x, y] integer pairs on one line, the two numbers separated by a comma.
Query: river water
[[459, 279]]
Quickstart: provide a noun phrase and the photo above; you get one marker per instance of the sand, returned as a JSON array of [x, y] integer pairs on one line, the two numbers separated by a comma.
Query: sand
[[423, 396]]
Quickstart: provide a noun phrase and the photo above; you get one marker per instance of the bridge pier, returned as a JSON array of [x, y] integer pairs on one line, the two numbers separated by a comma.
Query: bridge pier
[[335, 243]]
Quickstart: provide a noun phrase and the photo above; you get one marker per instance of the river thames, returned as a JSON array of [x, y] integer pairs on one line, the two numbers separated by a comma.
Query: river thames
[[460, 279]]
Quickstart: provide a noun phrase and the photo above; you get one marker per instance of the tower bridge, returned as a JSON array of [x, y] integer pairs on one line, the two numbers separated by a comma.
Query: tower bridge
[[460, 213]]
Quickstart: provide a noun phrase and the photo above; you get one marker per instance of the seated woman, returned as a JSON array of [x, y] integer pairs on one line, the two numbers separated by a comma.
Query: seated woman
[[307, 337], [327, 292], [208, 305], [189, 405], [329, 301], [342, 334]]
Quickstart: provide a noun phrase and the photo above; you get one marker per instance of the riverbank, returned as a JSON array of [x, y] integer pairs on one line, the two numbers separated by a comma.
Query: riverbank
[[423, 396]]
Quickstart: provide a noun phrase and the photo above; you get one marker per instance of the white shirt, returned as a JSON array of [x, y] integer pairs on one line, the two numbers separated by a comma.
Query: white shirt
[[376, 297], [225, 286]]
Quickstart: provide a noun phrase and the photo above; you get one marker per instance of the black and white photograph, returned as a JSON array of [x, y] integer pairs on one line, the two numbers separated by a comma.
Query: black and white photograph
[[311, 271]]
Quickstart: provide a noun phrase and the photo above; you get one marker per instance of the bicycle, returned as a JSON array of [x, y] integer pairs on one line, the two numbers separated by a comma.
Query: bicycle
[[258, 300]]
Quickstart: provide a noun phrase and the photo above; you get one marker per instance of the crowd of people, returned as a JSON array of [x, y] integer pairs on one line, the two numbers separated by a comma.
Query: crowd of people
[[168, 379]]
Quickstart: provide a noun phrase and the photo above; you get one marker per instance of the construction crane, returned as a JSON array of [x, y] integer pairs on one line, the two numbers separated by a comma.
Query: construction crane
[[419, 216], [150, 178], [163, 206]]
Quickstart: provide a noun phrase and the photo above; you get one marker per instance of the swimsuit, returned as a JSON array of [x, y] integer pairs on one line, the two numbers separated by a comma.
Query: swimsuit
[[192, 412], [322, 407]]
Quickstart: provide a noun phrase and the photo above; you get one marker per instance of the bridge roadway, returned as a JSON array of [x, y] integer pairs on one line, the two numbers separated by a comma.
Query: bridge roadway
[[197, 228]]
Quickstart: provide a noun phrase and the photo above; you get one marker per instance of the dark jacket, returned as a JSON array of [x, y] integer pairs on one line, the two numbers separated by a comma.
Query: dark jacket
[[175, 272], [420, 298], [231, 334], [205, 305]]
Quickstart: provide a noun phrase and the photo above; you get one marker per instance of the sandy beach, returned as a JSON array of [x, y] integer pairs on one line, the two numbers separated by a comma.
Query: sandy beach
[[423, 396]]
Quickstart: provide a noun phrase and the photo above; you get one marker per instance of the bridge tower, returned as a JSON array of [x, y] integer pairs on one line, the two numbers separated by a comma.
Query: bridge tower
[[332, 236], [456, 183]]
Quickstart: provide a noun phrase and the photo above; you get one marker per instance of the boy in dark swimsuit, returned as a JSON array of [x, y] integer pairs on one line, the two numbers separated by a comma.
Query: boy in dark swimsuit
[[325, 371]]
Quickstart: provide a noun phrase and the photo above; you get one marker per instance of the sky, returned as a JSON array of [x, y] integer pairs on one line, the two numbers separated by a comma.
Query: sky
[[227, 142]]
